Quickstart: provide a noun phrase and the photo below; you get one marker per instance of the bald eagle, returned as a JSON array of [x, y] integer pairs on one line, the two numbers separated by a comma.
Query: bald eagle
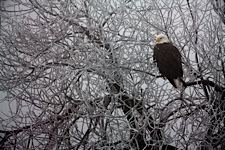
[[168, 59]]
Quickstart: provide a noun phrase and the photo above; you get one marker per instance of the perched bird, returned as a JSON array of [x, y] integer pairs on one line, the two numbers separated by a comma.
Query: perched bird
[[168, 59]]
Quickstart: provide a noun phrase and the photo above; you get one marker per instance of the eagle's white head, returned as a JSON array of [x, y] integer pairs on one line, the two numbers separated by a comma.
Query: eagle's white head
[[161, 38]]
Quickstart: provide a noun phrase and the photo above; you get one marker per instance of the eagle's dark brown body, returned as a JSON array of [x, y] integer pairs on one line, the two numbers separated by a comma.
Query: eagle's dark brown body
[[169, 62]]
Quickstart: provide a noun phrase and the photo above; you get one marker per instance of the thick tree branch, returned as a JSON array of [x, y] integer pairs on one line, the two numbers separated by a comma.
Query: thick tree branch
[[207, 83]]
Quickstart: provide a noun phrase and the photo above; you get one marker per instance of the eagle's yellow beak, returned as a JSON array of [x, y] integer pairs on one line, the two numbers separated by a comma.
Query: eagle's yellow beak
[[157, 40]]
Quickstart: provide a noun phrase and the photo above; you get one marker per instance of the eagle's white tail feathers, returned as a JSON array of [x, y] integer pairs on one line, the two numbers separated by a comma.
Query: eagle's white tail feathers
[[178, 83]]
